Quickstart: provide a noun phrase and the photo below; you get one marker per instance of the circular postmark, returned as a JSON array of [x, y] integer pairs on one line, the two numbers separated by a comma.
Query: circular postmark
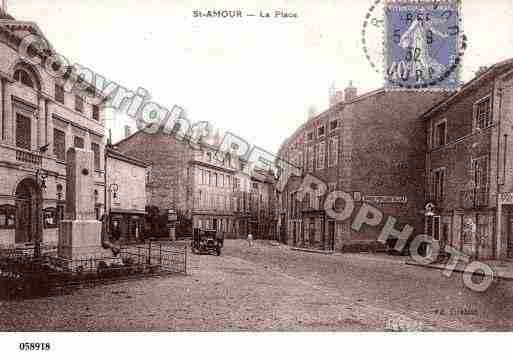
[[415, 45]]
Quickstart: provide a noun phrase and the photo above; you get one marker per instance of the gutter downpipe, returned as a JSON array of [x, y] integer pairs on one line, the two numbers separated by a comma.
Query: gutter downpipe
[[498, 227], [106, 244]]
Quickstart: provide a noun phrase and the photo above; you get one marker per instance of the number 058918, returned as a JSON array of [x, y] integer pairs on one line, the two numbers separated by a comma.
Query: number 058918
[[34, 346]]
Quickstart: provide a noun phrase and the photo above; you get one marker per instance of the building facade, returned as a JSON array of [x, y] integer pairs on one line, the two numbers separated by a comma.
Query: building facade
[[262, 204], [371, 146], [126, 195], [212, 185], [194, 180], [469, 172], [40, 118]]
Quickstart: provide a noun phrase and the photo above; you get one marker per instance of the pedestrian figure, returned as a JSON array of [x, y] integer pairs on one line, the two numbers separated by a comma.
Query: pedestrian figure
[[250, 240]]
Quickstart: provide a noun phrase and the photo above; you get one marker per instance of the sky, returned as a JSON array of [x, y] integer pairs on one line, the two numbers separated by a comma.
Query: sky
[[253, 76]]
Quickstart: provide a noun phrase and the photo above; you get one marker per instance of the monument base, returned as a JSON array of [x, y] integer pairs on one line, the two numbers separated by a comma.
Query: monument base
[[80, 245]]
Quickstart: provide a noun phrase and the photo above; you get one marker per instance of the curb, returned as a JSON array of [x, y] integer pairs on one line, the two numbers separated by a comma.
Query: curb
[[310, 250], [508, 277]]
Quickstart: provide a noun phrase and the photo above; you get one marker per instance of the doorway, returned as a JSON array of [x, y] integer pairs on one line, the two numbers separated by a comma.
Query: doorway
[[331, 236], [510, 236], [28, 212]]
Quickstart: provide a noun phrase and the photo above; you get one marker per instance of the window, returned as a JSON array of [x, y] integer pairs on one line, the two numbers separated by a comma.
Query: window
[[79, 104], [24, 78], [96, 153], [333, 152], [480, 170], [78, 142], [333, 125], [23, 129], [96, 112], [320, 155], [440, 137], [50, 218], [300, 159], [309, 136], [438, 185], [59, 93], [321, 131], [254, 185], [482, 111], [59, 144], [483, 231], [310, 159], [216, 183], [7, 216]]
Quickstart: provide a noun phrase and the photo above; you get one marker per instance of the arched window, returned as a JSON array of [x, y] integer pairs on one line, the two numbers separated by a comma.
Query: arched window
[[27, 76], [23, 76]]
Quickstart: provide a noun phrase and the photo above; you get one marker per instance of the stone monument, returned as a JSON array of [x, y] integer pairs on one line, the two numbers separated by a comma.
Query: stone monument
[[80, 232]]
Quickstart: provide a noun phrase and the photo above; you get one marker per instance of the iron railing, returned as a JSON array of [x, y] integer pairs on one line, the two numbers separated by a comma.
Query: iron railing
[[21, 274]]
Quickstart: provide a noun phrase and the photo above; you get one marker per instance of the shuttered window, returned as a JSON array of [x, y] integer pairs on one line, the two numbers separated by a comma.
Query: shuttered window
[[23, 129], [96, 153], [59, 144]]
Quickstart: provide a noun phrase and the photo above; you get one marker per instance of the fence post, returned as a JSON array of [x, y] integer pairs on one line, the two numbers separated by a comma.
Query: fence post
[[149, 252], [185, 258]]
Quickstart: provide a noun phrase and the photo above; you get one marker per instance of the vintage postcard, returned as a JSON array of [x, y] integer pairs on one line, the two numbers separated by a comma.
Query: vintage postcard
[[241, 167]]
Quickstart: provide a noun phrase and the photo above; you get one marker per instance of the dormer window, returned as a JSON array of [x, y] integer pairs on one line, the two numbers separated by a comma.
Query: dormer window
[[79, 104], [321, 131], [333, 125], [59, 93], [24, 77], [309, 136]]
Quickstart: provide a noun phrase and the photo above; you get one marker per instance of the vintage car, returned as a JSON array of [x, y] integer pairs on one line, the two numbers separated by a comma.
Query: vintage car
[[207, 241]]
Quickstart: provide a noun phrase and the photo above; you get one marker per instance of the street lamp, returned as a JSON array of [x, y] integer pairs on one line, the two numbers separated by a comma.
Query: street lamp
[[59, 191], [113, 188], [41, 177]]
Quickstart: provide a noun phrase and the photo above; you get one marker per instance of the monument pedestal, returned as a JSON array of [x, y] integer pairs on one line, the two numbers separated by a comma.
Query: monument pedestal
[[80, 234], [79, 245]]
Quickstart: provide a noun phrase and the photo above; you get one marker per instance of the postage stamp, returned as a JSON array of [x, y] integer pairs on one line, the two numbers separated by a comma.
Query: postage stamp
[[422, 45]]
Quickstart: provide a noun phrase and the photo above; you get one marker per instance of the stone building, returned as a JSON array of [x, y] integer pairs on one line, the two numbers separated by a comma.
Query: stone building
[[372, 146], [262, 203], [191, 179], [126, 194], [242, 193], [469, 172], [39, 120]]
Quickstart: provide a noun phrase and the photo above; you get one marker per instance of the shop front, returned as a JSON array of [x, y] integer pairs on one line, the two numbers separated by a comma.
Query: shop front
[[127, 226]]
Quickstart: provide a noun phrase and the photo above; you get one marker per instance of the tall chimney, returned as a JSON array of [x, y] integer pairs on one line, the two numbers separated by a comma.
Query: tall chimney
[[4, 6], [127, 131], [350, 92]]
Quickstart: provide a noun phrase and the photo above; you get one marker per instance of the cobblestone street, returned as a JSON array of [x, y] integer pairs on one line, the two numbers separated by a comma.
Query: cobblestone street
[[273, 288]]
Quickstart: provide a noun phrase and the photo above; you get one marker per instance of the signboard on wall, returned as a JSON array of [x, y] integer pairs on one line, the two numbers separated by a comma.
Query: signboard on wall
[[385, 199]]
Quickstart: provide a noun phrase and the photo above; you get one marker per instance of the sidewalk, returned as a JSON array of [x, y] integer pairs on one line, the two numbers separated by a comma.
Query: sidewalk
[[502, 269]]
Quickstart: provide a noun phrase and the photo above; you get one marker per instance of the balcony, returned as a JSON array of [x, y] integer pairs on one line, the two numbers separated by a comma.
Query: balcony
[[475, 198], [28, 157]]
